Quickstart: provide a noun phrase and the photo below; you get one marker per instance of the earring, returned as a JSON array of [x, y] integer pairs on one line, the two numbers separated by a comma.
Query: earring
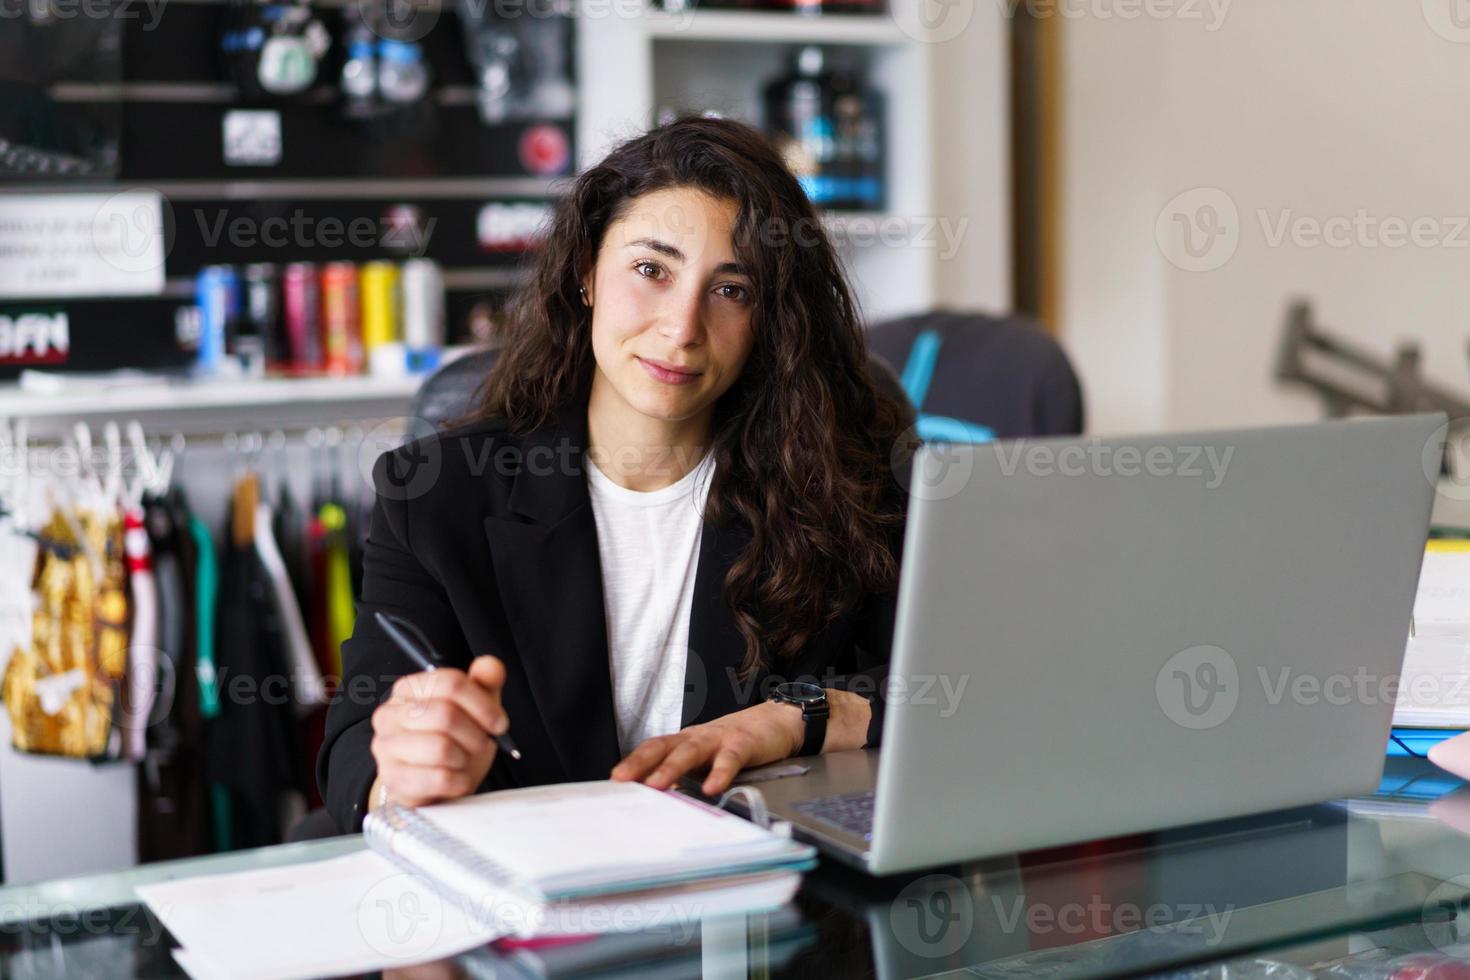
[[583, 291]]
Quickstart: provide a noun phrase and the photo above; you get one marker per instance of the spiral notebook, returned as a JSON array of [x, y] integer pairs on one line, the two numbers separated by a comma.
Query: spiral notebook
[[575, 859], [546, 844]]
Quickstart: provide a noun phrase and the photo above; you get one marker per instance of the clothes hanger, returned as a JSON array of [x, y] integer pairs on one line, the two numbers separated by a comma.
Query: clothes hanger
[[112, 476], [145, 467]]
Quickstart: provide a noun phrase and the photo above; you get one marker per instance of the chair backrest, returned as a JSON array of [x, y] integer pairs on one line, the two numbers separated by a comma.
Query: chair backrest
[[449, 393], [1002, 373]]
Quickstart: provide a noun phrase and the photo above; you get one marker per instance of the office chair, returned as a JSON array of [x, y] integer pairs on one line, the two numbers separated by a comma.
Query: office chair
[[971, 376]]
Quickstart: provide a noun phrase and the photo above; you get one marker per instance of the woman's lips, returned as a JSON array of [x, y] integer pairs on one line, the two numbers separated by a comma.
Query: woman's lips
[[667, 373]]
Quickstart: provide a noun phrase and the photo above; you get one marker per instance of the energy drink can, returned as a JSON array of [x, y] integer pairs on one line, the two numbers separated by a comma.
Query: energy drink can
[[423, 304], [259, 342], [378, 288], [301, 306], [341, 319], [217, 293]]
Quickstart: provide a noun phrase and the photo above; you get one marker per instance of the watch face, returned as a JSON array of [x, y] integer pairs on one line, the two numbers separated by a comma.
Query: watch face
[[800, 692]]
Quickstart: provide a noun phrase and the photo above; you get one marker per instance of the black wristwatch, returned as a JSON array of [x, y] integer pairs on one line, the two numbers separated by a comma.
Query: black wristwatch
[[812, 700]]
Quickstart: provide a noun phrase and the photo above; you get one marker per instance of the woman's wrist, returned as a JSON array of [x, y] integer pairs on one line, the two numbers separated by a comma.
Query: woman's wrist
[[848, 715]]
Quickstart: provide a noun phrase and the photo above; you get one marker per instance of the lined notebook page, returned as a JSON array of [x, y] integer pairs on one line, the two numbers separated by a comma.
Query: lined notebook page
[[569, 834]]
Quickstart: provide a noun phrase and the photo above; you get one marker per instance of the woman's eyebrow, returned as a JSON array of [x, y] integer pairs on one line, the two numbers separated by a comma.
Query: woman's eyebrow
[[664, 248]]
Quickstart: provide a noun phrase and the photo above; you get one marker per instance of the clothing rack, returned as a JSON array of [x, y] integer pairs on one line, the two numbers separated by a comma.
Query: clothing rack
[[321, 464]]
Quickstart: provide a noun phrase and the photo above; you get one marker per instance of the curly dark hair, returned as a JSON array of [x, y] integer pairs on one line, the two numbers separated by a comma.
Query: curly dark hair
[[803, 441]]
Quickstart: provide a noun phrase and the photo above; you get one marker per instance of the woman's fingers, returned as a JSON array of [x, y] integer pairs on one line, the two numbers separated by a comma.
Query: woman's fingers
[[476, 692], [419, 785], [438, 716], [432, 736], [722, 772], [689, 753], [488, 676], [430, 749], [641, 761], [661, 761]]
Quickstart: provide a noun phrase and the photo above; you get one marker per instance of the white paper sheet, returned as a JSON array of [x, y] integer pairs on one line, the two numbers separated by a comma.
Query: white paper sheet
[[347, 915]]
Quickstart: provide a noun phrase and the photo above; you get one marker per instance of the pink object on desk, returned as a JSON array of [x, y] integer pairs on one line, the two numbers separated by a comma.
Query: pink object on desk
[[1453, 755], [507, 944]]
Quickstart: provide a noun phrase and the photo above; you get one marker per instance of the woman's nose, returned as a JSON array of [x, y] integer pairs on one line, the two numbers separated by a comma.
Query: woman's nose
[[683, 321]]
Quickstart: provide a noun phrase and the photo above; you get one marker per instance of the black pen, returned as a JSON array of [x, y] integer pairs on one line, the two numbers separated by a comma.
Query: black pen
[[413, 642]]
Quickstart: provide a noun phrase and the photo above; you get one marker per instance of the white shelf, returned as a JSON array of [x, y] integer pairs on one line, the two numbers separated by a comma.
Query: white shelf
[[946, 121], [723, 25], [246, 400]]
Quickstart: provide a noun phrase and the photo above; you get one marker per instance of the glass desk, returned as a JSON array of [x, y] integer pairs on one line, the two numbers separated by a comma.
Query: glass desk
[[1303, 888]]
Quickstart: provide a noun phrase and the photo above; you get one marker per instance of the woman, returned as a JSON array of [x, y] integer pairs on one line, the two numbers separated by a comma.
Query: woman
[[676, 501]]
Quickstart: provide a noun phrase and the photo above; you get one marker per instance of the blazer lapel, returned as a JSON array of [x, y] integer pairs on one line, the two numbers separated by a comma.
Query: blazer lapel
[[549, 575]]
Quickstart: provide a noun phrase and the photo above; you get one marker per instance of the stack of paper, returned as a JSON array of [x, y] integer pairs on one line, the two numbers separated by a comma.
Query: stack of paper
[[1434, 691], [555, 861]]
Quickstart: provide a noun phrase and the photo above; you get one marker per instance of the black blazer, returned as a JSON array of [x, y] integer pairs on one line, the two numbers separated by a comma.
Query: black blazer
[[486, 540]]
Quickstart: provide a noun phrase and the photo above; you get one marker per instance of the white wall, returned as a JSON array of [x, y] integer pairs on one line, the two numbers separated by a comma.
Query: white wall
[[1289, 109]]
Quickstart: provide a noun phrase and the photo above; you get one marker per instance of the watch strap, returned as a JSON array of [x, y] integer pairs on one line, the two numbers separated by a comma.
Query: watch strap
[[815, 716]]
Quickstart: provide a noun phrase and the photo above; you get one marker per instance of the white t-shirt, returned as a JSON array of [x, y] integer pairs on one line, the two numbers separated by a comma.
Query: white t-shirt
[[649, 546]]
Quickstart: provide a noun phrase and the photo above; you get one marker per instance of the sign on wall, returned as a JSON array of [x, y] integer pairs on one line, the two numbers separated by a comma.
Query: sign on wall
[[56, 246]]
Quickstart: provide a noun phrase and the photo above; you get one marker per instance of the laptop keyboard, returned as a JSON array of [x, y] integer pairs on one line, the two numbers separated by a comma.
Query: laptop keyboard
[[852, 812]]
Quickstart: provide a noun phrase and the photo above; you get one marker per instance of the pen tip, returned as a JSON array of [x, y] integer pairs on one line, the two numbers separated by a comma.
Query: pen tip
[[515, 753]]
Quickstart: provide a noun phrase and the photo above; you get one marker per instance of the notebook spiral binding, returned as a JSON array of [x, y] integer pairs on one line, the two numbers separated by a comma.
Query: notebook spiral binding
[[394, 823]]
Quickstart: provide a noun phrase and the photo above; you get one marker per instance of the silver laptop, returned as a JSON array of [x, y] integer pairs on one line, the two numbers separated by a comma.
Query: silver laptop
[[1099, 637]]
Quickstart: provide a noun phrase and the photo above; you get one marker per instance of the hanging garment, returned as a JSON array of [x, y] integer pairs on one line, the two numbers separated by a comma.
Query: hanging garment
[[173, 800], [255, 756], [18, 556], [306, 678], [341, 612], [316, 614], [289, 525], [206, 594], [62, 689], [141, 690]]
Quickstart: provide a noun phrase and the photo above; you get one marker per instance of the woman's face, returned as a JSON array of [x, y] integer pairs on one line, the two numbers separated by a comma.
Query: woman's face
[[671, 306]]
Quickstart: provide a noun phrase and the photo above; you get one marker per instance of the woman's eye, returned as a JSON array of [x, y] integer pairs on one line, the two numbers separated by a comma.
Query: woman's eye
[[741, 294], [648, 265]]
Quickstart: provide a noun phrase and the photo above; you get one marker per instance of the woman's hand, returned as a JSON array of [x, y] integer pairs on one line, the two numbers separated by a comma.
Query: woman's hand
[[753, 736], [432, 737]]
